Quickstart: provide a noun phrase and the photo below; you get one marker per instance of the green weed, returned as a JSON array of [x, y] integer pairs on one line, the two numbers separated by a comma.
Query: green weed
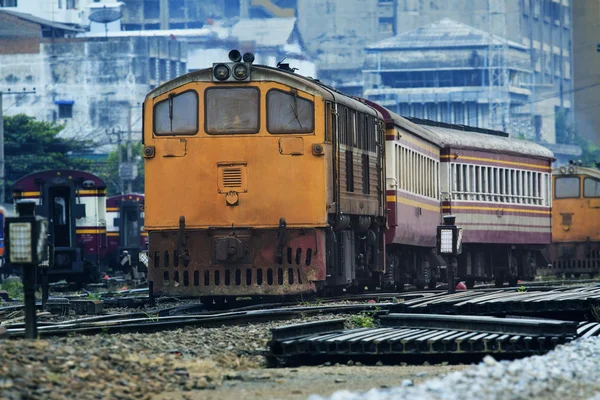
[[14, 288]]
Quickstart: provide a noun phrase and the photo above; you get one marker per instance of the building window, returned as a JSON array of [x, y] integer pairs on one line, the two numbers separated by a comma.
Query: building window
[[162, 70], [71, 4], [65, 111], [8, 3], [386, 25], [151, 9]]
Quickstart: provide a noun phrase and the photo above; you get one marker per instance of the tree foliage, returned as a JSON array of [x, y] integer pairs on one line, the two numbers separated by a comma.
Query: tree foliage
[[590, 152], [32, 146], [110, 172]]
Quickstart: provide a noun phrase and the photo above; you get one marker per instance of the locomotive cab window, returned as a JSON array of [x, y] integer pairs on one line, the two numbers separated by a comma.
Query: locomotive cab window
[[289, 113], [566, 187], [232, 110], [177, 114], [591, 187]]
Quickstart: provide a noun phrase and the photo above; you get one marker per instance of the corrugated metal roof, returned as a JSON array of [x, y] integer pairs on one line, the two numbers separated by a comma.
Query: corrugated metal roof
[[443, 33], [44, 22], [266, 32]]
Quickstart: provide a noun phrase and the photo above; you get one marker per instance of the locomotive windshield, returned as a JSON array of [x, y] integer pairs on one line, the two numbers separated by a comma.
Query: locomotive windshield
[[591, 187], [566, 187], [232, 110], [177, 114], [289, 113]]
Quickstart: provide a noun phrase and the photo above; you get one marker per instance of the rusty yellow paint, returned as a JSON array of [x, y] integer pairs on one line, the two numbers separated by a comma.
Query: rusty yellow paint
[[111, 209], [112, 234], [277, 185]]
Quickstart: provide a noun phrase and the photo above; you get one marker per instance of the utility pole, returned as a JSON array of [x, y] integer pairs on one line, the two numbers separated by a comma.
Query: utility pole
[[117, 133], [129, 149], [498, 75], [2, 162]]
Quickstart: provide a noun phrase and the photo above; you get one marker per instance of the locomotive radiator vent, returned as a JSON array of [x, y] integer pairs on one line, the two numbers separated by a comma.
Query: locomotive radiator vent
[[232, 177]]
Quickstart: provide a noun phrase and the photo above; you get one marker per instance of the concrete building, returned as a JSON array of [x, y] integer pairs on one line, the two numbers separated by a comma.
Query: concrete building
[[544, 27], [336, 33], [269, 39], [68, 12], [586, 68], [92, 85], [441, 72], [193, 14]]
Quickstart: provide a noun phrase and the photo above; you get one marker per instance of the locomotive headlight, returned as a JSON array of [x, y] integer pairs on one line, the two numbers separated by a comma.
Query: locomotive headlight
[[563, 170], [221, 72], [571, 170], [240, 71]]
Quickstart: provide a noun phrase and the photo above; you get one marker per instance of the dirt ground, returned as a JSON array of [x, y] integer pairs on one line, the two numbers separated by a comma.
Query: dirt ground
[[300, 383]]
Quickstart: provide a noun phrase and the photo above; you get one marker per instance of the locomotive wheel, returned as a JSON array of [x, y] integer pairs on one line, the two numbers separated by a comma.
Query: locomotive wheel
[[513, 282], [432, 283], [470, 283]]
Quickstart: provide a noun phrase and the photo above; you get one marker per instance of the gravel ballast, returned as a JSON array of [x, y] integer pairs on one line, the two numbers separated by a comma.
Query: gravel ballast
[[568, 372], [132, 366]]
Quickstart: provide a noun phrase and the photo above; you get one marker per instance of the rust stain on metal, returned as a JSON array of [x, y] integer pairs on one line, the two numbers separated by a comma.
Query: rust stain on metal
[[238, 262]]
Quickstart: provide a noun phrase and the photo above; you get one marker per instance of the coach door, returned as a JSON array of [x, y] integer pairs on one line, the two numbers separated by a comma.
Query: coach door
[[130, 224]]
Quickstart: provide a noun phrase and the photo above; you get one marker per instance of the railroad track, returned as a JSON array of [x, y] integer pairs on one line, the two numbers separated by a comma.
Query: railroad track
[[418, 338], [494, 302]]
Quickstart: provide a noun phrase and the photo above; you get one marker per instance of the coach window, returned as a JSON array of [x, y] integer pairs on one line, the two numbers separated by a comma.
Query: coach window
[[591, 187], [566, 187], [177, 114], [289, 113], [232, 110]]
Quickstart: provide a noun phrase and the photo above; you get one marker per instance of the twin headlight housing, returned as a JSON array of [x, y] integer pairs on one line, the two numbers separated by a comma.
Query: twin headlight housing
[[238, 70]]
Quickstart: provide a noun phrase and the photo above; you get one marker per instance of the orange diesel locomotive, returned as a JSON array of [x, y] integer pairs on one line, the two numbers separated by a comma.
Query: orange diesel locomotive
[[246, 188], [575, 245]]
